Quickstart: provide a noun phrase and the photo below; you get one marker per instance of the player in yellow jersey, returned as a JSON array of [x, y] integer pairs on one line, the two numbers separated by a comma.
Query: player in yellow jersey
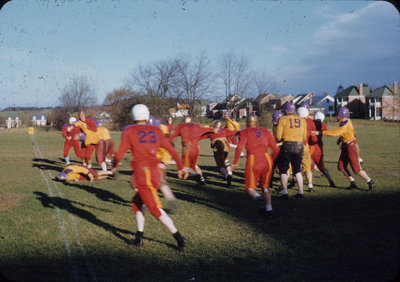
[[349, 152], [291, 133], [105, 146], [81, 172]]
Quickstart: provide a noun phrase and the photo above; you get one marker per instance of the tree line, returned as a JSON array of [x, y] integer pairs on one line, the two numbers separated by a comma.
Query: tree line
[[162, 84]]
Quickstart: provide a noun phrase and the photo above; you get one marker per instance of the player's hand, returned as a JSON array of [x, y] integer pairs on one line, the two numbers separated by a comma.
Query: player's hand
[[279, 144], [338, 141], [234, 166], [314, 132], [183, 174]]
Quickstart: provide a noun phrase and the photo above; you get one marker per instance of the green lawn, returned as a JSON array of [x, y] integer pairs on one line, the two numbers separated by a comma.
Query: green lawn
[[78, 232]]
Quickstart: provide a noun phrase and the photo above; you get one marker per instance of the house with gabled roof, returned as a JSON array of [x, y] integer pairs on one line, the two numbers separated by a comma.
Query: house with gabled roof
[[383, 103], [244, 108], [353, 98], [38, 120], [324, 104], [300, 98]]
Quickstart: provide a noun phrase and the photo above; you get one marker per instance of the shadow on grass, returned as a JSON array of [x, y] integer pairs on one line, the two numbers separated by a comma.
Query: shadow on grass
[[101, 194], [71, 207]]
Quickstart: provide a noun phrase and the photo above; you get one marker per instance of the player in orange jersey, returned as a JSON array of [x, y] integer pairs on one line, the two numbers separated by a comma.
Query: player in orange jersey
[[316, 147], [144, 141], [70, 140], [259, 162], [191, 133]]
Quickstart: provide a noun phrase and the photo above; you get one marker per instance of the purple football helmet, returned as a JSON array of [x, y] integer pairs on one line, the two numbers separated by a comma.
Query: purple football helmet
[[289, 108], [305, 104], [228, 113], [343, 112], [61, 176], [154, 121], [276, 116], [99, 123]]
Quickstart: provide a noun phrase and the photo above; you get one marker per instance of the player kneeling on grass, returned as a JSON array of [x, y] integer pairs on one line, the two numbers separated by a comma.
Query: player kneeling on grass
[[144, 142], [259, 163], [349, 153], [81, 172]]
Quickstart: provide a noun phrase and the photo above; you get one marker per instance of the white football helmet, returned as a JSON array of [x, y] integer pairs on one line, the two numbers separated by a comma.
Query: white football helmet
[[302, 112], [72, 120], [140, 112], [319, 116]]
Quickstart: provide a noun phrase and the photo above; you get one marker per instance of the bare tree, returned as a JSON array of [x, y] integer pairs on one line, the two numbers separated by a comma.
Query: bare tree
[[193, 80], [77, 95], [156, 81], [235, 73], [119, 104], [264, 83]]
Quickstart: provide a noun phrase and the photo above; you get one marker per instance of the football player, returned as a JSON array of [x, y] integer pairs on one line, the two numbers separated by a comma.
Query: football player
[[191, 133], [291, 133], [316, 147], [259, 162], [221, 148], [81, 172], [70, 140], [349, 152], [144, 142]]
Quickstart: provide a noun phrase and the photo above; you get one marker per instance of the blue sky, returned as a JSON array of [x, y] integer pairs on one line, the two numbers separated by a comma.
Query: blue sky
[[304, 45]]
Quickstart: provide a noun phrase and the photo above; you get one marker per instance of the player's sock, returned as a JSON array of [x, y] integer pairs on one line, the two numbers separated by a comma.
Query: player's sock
[[269, 207], [67, 160]]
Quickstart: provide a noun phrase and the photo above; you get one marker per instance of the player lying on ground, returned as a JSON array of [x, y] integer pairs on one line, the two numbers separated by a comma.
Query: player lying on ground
[[81, 172]]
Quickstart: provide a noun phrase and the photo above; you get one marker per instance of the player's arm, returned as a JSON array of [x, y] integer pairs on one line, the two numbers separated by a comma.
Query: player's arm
[[279, 130], [164, 143], [272, 144], [338, 131], [239, 149], [122, 149], [175, 134]]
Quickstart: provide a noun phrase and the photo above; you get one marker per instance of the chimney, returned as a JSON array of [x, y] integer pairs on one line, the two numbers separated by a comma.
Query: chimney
[[313, 94], [395, 93], [361, 89]]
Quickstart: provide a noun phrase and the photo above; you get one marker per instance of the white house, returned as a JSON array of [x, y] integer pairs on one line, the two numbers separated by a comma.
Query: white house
[[39, 120], [325, 104]]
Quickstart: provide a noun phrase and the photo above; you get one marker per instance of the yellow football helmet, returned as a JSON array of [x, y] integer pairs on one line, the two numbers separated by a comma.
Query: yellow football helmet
[[217, 124], [252, 120]]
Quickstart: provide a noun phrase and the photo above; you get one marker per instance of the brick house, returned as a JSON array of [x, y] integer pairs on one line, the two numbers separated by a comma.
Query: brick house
[[383, 103], [353, 98]]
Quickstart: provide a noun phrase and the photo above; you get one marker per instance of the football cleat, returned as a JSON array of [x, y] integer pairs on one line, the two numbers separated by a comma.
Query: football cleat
[[371, 185], [182, 241], [291, 184], [332, 184], [311, 190], [353, 184], [283, 197], [299, 196], [270, 215], [172, 206], [138, 241], [229, 180]]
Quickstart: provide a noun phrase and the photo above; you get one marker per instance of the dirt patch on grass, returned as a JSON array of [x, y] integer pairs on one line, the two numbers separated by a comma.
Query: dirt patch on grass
[[10, 200]]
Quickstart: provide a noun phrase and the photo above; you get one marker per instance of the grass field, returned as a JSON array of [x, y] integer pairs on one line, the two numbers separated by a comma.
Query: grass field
[[78, 232]]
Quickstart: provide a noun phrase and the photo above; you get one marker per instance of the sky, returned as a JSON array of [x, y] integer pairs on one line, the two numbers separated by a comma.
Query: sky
[[303, 46]]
